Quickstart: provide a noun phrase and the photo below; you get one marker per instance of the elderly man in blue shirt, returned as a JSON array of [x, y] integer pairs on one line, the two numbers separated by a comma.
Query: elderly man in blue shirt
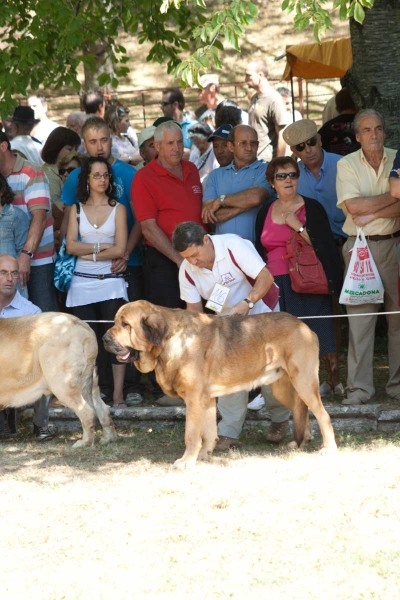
[[12, 304], [231, 200], [318, 180], [317, 171]]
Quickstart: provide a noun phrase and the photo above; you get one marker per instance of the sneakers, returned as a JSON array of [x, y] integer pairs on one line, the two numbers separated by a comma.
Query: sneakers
[[134, 399], [326, 390], [226, 443], [168, 401], [277, 432], [44, 434], [257, 403]]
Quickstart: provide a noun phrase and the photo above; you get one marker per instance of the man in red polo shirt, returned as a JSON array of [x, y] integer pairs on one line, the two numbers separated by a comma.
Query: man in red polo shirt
[[166, 192]]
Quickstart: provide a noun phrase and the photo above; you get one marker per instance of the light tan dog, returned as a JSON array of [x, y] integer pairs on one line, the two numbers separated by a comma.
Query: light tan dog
[[53, 353], [200, 357]]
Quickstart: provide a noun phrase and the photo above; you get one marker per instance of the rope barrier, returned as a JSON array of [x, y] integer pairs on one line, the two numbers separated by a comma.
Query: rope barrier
[[346, 316]]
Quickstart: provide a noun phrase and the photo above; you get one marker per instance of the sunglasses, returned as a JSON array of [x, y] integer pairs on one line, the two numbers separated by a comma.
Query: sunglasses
[[283, 176], [62, 172], [311, 142]]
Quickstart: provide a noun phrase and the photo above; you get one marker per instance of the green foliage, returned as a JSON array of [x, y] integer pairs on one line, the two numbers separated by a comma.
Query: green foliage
[[312, 12], [44, 42]]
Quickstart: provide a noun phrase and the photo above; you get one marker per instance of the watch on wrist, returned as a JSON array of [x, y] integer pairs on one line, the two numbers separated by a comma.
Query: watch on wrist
[[300, 230], [222, 199], [249, 302], [30, 254]]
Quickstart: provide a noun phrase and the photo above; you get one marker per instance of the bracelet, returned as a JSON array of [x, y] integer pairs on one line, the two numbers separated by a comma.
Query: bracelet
[[300, 230], [96, 248], [94, 257], [30, 254]]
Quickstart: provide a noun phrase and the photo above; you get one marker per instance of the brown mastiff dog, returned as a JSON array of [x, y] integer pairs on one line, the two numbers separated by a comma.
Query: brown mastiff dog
[[200, 357], [53, 353]]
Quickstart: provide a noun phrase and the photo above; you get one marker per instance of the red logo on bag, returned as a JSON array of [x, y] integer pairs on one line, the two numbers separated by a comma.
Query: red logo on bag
[[362, 253]]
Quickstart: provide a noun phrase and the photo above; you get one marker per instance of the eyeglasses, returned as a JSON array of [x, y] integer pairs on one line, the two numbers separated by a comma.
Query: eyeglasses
[[283, 176], [100, 175], [13, 274], [62, 172], [244, 143], [165, 103], [311, 142]]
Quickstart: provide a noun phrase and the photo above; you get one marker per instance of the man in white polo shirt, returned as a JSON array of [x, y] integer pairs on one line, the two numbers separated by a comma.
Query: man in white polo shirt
[[217, 264]]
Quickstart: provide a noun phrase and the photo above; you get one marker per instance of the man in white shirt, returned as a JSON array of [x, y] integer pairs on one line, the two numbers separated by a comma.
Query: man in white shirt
[[45, 126], [23, 121], [12, 304], [231, 265]]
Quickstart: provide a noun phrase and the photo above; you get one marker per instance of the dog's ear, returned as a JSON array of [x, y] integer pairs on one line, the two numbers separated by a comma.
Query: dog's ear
[[154, 328]]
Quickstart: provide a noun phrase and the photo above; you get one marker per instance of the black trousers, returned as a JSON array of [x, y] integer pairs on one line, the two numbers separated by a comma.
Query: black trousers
[[161, 279], [101, 311]]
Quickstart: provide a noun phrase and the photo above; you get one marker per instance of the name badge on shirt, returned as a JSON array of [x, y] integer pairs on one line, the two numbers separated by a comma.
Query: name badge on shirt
[[218, 297]]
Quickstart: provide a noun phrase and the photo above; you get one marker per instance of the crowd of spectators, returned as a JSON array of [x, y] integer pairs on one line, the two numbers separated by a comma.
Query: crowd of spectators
[[198, 199]]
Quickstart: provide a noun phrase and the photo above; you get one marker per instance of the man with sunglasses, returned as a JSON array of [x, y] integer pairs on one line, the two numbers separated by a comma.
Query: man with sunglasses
[[173, 105], [317, 171], [364, 196]]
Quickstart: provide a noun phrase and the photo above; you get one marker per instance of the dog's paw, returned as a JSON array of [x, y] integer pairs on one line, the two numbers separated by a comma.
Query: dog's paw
[[331, 451], [205, 455], [292, 446], [183, 464], [79, 444], [108, 438]]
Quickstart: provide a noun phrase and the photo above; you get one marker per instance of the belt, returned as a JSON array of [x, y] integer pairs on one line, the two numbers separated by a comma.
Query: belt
[[102, 276], [379, 238]]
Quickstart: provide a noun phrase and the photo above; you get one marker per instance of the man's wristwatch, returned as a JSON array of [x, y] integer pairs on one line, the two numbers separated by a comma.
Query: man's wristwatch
[[222, 199], [249, 302], [30, 254]]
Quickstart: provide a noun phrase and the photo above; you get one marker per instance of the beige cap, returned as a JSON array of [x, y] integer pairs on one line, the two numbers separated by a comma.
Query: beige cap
[[146, 134], [209, 78], [299, 132]]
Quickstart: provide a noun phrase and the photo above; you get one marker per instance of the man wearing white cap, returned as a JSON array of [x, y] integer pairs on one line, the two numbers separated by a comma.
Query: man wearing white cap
[[210, 97], [146, 146]]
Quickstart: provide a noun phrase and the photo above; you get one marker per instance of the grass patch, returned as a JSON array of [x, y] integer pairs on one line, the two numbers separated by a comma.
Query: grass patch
[[262, 522]]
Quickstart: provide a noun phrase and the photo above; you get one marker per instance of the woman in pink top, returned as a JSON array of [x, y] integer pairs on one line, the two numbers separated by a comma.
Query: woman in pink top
[[275, 223]]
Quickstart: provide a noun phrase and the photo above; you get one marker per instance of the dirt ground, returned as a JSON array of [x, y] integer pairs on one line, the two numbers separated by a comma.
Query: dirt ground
[[116, 522]]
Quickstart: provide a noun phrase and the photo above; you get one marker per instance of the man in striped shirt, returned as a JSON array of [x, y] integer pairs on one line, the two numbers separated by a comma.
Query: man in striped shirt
[[36, 267], [32, 196]]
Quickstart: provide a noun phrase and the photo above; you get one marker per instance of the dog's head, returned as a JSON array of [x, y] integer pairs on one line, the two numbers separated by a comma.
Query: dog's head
[[137, 334]]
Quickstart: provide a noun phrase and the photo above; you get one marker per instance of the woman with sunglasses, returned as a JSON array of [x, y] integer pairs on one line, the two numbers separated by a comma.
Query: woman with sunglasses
[[122, 146], [96, 236], [60, 142], [275, 223]]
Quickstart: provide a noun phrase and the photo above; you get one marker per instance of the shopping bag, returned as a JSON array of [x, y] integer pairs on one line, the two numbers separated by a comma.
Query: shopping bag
[[362, 284]]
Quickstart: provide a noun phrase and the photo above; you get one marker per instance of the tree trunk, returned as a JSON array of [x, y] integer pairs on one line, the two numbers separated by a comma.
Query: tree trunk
[[374, 80], [103, 65]]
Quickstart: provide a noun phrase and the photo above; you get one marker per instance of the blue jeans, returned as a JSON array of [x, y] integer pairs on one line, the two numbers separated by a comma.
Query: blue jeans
[[41, 288]]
